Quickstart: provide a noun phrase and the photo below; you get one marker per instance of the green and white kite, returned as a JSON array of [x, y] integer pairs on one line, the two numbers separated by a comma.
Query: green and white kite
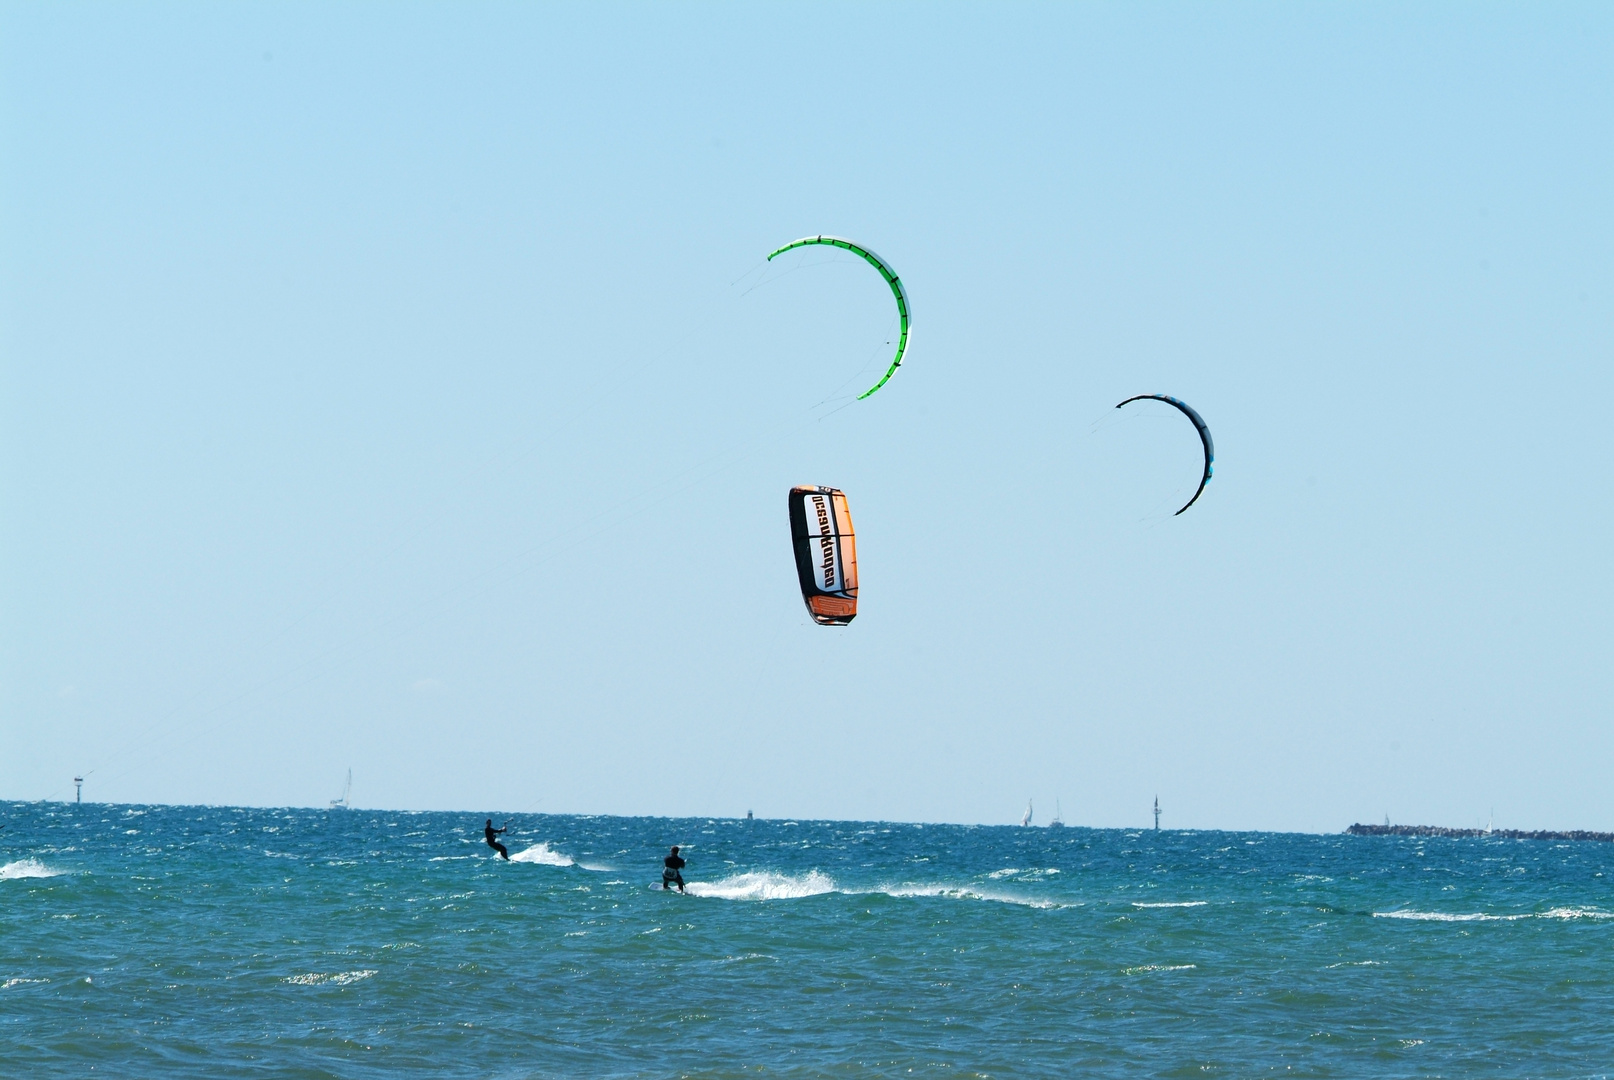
[[891, 279]]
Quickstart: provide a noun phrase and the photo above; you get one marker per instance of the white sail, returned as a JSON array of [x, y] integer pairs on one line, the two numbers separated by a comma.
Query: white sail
[[347, 789], [1027, 819]]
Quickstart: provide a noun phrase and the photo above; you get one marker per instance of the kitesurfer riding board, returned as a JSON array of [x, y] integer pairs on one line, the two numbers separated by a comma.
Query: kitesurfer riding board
[[489, 832], [671, 866]]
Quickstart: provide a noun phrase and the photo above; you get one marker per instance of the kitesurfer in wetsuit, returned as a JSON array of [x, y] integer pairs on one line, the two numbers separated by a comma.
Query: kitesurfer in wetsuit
[[490, 832], [669, 874]]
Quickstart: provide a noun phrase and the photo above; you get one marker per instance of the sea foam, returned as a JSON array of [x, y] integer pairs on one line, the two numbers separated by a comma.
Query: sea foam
[[27, 868]]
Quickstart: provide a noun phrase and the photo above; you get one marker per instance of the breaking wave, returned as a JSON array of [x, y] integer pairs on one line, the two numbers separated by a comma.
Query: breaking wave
[[27, 868], [966, 892], [1445, 916], [541, 854], [1575, 913]]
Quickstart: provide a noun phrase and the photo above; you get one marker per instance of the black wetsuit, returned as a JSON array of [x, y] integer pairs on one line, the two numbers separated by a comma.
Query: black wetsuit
[[490, 832], [670, 875]]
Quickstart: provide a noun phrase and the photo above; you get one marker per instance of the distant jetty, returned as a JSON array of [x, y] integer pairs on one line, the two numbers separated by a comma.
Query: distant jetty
[[1505, 834]]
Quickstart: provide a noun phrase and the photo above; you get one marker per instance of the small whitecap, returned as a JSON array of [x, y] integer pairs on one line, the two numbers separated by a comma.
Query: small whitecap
[[339, 978], [1147, 968], [965, 892]]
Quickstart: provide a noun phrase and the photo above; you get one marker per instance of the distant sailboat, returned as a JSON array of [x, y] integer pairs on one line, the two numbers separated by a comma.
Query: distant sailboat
[[347, 789], [1058, 821], [1027, 819]]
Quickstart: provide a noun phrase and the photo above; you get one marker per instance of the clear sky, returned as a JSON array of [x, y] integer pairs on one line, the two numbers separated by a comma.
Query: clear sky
[[401, 388]]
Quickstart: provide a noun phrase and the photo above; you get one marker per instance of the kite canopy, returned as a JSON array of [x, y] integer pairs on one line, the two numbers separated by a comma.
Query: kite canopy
[[1204, 437], [826, 553], [891, 279]]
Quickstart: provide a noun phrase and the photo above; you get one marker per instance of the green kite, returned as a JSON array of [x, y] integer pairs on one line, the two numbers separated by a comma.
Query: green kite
[[891, 279]]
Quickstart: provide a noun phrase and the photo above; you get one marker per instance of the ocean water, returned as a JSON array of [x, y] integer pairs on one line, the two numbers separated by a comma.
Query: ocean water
[[149, 941]]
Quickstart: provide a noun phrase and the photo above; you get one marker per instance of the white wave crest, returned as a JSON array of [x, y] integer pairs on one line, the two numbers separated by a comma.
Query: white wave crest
[[1441, 916], [1146, 968], [9, 983], [1445, 916], [27, 868], [541, 854], [765, 886], [1576, 913], [1170, 903], [964, 892], [339, 978]]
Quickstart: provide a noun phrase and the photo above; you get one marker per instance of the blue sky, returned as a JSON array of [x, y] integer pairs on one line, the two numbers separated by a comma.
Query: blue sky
[[402, 388]]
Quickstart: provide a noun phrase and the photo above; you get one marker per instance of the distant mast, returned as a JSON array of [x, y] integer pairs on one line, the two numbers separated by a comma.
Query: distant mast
[[1059, 821], [1027, 819], [1157, 813], [347, 789]]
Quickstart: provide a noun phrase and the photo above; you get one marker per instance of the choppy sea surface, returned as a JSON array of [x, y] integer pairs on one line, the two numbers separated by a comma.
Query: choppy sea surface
[[153, 941]]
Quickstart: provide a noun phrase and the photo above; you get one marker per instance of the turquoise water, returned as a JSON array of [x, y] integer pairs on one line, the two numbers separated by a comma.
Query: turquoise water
[[207, 942]]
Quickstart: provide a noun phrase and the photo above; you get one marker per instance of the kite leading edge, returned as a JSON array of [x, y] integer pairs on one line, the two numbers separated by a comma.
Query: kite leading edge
[[1204, 437], [891, 279]]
